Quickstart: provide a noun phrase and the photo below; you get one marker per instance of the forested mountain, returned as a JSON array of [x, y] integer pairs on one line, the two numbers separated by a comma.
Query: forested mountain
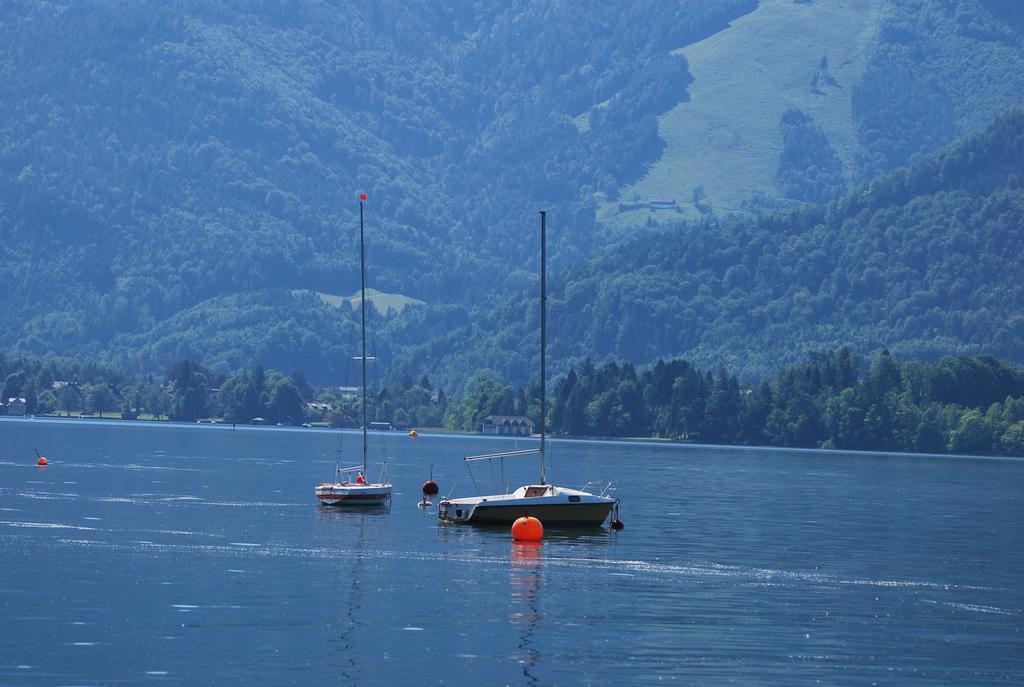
[[922, 262], [178, 180], [156, 155], [938, 70]]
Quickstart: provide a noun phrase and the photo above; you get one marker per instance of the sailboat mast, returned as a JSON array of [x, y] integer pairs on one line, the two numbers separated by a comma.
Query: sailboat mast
[[362, 301], [543, 331]]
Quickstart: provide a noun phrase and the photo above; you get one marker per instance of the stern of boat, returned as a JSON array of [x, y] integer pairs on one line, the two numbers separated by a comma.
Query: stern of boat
[[451, 511]]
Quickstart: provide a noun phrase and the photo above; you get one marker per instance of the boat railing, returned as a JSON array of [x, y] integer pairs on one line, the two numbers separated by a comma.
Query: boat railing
[[603, 488], [503, 454]]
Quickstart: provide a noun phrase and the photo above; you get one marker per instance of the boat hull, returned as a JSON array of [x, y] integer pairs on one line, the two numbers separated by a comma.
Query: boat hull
[[579, 515], [346, 494], [569, 508]]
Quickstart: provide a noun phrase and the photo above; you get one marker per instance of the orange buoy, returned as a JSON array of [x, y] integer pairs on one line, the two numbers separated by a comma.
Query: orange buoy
[[413, 434], [41, 461], [527, 528]]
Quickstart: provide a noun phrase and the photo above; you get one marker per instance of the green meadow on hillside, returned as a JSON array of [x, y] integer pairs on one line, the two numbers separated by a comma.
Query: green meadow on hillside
[[726, 137], [382, 302], [879, 83]]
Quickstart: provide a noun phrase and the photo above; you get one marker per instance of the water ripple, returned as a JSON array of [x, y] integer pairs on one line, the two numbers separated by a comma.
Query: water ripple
[[46, 525]]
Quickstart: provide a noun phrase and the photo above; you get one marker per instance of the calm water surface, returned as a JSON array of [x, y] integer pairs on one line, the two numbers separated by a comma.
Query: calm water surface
[[197, 555]]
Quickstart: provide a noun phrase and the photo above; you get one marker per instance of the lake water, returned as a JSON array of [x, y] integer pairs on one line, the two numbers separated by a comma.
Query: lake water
[[151, 554]]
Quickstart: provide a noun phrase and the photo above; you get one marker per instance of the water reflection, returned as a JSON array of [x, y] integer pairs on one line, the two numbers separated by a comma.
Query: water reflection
[[349, 532], [525, 614]]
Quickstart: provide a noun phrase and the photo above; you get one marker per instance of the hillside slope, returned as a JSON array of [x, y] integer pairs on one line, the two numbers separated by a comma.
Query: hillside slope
[[885, 82], [924, 262], [156, 157], [726, 137], [174, 177]]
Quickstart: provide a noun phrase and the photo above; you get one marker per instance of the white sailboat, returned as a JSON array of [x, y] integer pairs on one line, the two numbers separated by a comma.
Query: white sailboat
[[552, 505], [357, 491]]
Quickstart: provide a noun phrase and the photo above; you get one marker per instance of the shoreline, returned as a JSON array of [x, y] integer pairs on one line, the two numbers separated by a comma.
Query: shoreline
[[428, 433]]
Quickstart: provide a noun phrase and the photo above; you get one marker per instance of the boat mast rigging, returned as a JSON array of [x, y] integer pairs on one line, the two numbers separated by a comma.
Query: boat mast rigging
[[362, 304], [543, 331]]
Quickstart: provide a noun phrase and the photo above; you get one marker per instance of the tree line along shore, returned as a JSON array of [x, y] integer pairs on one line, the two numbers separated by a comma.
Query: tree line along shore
[[834, 399]]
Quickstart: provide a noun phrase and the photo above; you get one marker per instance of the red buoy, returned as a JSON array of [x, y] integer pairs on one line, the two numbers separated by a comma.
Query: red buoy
[[41, 461], [429, 488], [527, 528], [616, 524]]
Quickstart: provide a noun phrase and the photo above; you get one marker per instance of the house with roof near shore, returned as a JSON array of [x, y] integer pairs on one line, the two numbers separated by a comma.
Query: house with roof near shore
[[319, 410], [507, 425], [16, 406]]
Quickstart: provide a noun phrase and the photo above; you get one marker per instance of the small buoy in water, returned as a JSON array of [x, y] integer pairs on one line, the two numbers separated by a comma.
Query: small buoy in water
[[413, 434], [41, 461], [430, 486], [527, 528]]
